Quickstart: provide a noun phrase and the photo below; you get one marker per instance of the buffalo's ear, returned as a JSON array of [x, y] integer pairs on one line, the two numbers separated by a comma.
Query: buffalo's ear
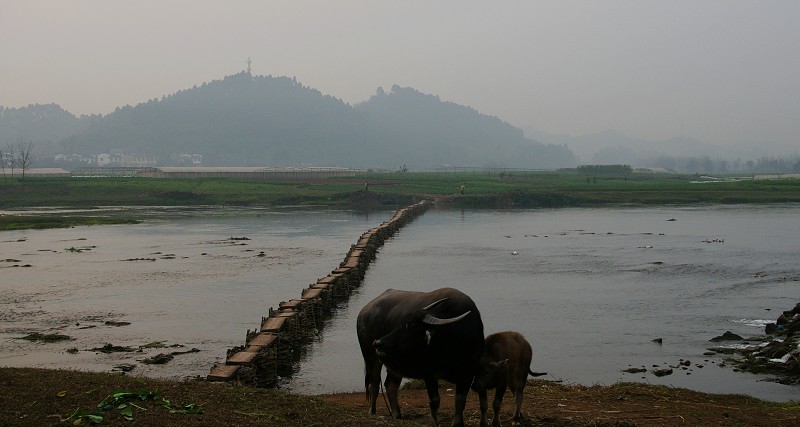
[[428, 336], [500, 366]]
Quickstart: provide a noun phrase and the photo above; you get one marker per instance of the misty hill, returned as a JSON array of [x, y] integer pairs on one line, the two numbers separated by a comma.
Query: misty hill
[[422, 129], [245, 120], [681, 153], [46, 124], [611, 147], [241, 120]]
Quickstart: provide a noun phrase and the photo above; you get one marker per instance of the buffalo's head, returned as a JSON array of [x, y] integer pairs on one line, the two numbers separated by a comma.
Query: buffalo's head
[[489, 373], [417, 334]]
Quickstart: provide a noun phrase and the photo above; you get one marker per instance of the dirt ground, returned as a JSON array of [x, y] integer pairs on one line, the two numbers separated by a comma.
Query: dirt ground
[[36, 397], [624, 404]]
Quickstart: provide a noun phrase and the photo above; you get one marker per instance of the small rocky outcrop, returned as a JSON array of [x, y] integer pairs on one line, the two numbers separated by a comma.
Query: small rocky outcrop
[[727, 336], [779, 353], [662, 372]]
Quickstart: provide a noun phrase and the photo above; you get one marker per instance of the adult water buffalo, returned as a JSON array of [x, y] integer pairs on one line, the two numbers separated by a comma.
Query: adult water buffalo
[[505, 364], [423, 335]]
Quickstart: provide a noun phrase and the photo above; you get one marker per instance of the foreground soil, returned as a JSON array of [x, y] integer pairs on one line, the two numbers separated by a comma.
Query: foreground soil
[[38, 397]]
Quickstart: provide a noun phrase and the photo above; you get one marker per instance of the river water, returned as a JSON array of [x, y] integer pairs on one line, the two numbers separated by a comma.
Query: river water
[[197, 278], [589, 288]]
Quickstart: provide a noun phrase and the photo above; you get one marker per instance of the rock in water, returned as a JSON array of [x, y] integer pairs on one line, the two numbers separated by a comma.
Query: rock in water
[[727, 336]]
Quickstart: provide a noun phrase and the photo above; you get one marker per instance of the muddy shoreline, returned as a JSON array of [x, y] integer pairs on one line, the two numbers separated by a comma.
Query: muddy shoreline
[[110, 298]]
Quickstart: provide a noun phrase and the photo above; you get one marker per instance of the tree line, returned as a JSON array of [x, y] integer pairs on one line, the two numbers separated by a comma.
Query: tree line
[[17, 155], [705, 164]]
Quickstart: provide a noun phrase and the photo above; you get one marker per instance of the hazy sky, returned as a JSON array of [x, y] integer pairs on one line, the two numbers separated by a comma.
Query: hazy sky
[[722, 71]]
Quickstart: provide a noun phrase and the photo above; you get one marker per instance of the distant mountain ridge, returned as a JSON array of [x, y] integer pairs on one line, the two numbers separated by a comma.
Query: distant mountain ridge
[[245, 120], [611, 147]]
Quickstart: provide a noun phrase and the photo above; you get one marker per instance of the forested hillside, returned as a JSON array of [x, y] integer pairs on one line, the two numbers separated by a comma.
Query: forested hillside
[[44, 123], [245, 120], [423, 130]]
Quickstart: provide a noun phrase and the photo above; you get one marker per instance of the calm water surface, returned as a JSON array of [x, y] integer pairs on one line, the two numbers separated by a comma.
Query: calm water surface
[[197, 278], [591, 289]]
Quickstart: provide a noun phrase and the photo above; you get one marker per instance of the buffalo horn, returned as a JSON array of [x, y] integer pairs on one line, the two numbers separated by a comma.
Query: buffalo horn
[[431, 320], [434, 304]]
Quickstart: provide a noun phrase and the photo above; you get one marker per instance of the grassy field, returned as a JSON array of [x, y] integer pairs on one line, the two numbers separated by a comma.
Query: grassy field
[[525, 189], [480, 190]]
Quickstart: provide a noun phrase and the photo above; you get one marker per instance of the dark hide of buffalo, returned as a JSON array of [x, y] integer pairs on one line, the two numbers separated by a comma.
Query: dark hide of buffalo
[[422, 335]]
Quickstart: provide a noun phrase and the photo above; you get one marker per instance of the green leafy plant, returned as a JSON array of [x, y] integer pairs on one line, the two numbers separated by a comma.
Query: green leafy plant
[[80, 416], [123, 401]]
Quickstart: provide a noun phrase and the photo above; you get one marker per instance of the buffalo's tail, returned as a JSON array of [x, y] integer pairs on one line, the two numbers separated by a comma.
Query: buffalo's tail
[[536, 374], [366, 384]]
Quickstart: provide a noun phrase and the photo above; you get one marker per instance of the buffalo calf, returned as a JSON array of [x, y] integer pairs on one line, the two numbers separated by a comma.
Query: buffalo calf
[[505, 364]]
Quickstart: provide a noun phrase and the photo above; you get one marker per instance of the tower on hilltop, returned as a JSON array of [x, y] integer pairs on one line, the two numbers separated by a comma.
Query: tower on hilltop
[[248, 66]]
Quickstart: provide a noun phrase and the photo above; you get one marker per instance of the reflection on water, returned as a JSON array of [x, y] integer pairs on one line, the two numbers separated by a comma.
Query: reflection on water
[[592, 288]]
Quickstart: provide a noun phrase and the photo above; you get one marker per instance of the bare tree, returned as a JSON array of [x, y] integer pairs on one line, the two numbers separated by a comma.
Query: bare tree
[[7, 157], [24, 155], [3, 163]]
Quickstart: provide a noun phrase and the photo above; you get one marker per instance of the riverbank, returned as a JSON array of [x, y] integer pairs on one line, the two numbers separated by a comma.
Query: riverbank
[[776, 353], [35, 397], [42, 222], [506, 189], [383, 190]]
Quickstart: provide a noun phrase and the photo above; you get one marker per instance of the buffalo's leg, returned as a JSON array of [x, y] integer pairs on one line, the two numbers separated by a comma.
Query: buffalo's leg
[[518, 394], [497, 402], [462, 390], [432, 385], [484, 404], [392, 384], [372, 381]]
